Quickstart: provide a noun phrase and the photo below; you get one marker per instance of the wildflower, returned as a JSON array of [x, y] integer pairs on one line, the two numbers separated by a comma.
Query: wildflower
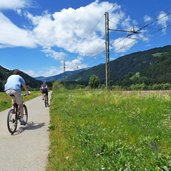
[[67, 157], [103, 168]]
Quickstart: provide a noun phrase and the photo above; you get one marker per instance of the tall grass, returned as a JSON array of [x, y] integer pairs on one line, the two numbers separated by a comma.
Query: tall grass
[[98, 130], [5, 100]]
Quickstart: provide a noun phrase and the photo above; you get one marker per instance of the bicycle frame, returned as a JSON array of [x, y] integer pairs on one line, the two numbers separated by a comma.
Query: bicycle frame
[[15, 107], [14, 116]]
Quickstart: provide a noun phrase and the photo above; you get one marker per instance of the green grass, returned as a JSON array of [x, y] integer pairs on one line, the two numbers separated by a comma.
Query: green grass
[[5, 100], [98, 130]]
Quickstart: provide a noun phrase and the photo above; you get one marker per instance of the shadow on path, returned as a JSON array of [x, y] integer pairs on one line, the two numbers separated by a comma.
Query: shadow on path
[[30, 126], [33, 125]]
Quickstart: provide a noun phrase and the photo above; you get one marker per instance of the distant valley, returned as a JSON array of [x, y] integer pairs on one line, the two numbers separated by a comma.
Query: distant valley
[[149, 67]]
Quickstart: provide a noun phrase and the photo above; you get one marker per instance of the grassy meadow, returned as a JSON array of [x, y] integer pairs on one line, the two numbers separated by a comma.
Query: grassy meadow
[[5, 100], [99, 130]]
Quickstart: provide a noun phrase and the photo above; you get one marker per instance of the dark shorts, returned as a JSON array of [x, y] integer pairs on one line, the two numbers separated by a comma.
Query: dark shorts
[[45, 91]]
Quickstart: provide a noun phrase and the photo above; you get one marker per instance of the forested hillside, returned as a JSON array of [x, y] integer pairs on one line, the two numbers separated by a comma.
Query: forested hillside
[[151, 66], [147, 67]]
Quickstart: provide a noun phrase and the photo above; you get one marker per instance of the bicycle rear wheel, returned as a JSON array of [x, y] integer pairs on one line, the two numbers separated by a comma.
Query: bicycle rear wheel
[[25, 113], [12, 121], [46, 100]]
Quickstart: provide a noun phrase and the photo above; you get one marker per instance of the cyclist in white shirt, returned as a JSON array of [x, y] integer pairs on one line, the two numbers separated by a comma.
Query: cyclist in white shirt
[[13, 87], [44, 90]]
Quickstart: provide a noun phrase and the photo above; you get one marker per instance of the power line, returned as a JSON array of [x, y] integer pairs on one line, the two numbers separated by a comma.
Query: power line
[[95, 26], [129, 36], [167, 14], [143, 27], [154, 32], [160, 29]]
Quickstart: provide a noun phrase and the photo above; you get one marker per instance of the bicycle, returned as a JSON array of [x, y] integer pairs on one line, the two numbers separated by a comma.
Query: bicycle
[[14, 115], [45, 97]]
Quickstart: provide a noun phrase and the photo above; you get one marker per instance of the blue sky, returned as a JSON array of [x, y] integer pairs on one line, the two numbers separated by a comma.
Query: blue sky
[[36, 36]]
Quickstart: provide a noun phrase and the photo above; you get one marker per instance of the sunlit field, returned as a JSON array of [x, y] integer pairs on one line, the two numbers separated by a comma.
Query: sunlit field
[[99, 130], [5, 100]]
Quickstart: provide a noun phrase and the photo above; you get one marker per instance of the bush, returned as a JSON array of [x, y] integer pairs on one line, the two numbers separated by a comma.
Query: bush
[[57, 85], [116, 87], [94, 81], [1, 86], [161, 86], [138, 86]]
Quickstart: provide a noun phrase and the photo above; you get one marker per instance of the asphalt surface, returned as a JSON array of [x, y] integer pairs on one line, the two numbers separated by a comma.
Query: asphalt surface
[[27, 149]]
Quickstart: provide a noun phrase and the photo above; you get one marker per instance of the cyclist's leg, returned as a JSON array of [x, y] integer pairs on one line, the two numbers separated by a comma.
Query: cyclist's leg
[[19, 101], [12, 92], [42, 96], [47, 95], [21, 110]]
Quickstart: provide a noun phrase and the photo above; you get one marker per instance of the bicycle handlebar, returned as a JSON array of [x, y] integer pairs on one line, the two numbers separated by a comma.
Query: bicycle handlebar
[[23, 94], [26, 94]]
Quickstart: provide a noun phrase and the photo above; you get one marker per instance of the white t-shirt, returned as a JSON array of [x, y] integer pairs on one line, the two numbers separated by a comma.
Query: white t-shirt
[[14, 82]]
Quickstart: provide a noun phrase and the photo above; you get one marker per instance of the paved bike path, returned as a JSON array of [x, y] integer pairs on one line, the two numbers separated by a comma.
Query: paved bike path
[[27, 149]]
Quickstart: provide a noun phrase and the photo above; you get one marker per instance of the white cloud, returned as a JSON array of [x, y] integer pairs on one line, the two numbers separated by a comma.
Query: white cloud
[[162, 20], [52, 53], [31, 73], [46, 72], [75, 64], [126, 24], [51, 71], [123, 44], [115, 18], [90, 47], [70, 66], [147, 19], [75, 30], [143, 38], [13, 36], [14, 4], [79, 31]]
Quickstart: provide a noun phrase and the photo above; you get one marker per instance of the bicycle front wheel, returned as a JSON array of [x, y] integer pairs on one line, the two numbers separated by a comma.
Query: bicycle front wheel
[[25, 113], [12, 121]]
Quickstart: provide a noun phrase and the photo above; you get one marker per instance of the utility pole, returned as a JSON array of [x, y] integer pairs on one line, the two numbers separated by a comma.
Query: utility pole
[[64, 73], [107, 67], [107, 29], [64, 66]]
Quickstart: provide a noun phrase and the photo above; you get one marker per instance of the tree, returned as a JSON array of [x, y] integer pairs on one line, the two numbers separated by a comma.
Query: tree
[[57, 85], [1, 86], [94, 81]]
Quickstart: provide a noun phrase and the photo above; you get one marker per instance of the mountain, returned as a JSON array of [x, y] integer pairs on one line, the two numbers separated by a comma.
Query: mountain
[[5, 73], [150, 66], [59, 77], [41, 78]]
